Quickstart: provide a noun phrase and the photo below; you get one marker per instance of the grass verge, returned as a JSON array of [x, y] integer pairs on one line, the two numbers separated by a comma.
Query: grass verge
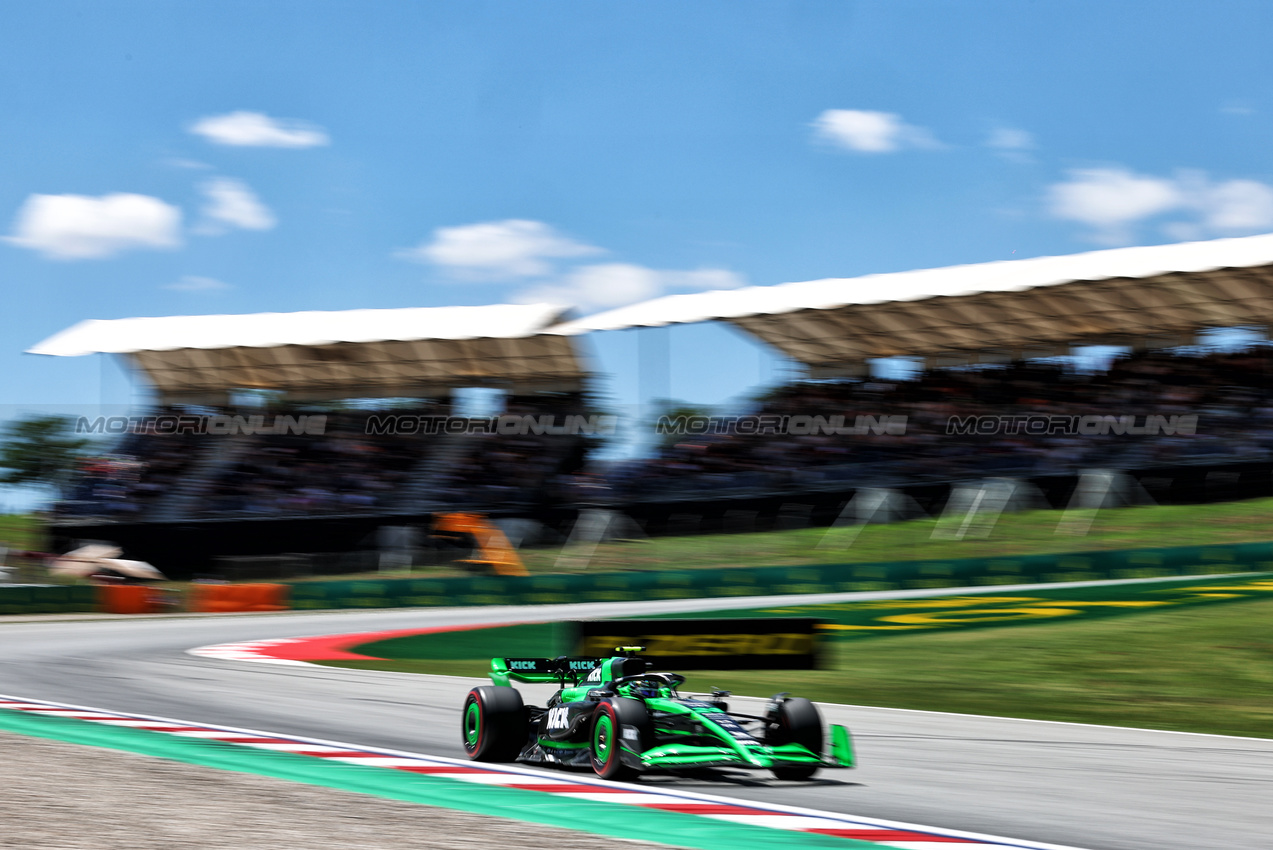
[[22, 531], [1026, 533], [1192, 670]]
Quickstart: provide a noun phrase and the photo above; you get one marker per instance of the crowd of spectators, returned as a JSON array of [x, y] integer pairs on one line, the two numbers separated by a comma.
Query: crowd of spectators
[[129, 481], [1230, 394], [343, 470], [495, 470], [346, 469]]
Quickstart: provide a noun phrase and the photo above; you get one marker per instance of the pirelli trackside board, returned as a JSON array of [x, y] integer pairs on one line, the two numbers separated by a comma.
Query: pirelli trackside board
[[774, 643]]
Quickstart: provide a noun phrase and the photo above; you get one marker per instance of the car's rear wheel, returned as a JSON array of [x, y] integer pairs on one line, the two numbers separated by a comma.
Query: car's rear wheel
[[797, 722], [493, 724], [609, 724]]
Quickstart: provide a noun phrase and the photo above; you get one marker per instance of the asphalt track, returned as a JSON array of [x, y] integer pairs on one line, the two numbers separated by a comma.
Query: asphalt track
[[1083, 786]]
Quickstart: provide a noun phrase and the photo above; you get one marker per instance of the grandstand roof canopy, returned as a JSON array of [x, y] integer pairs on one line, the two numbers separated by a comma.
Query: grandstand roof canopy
[[990, 312], [410, 352]]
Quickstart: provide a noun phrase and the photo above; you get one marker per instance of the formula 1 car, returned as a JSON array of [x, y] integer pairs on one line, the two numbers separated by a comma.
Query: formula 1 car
[[618, 717]]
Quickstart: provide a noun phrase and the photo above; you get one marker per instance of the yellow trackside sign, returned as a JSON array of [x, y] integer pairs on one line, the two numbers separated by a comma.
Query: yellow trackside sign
[[722, 644], [755, 643]]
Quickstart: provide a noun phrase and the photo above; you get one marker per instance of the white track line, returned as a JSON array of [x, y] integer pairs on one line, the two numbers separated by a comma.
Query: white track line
[[559, 783]]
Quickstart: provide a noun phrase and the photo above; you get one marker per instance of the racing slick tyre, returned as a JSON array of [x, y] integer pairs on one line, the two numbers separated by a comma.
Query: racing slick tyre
[[614, 721], [493, 726], [797, 722]]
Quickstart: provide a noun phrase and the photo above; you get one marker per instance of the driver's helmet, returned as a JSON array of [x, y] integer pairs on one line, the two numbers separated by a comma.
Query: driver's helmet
[[647, 690]]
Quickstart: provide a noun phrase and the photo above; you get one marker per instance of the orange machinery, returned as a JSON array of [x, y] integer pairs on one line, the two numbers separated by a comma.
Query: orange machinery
[[493, 549]]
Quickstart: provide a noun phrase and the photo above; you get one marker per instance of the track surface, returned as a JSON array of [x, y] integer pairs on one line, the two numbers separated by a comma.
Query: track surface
[[1093, 787]]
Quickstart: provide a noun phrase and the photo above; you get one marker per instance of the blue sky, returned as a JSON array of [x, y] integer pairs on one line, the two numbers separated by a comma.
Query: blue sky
[[183, 158]]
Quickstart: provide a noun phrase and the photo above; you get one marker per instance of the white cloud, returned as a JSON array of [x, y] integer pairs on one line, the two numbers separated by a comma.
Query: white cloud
[[1114, 200], [502, 251], [702, 279], [498, 249], [602, 285], [1111, 199], [231, 203], [870, 132], [1011, 143], [1184, 231], [606, 285], [195, 283], [80, 227], [1010, 138], [190, 164], [1236, 206], [257, 130]]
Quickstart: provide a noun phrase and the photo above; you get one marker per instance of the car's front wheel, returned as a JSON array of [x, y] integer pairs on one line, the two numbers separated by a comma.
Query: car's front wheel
[[612, 720], [493, 724], [797, 722]]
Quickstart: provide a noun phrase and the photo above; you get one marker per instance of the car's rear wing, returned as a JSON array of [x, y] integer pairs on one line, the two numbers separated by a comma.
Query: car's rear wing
[[542, 670]]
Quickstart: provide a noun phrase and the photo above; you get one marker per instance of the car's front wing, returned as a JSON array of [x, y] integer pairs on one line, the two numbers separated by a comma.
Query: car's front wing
[[749, 754]]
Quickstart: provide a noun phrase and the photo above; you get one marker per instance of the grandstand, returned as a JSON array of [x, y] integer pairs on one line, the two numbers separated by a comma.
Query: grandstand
[[1150, 412], [300, 467], [984, 335], [1189, 425]]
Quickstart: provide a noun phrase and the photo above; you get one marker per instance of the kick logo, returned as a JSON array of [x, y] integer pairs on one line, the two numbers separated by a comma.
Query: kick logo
[[558, 718]]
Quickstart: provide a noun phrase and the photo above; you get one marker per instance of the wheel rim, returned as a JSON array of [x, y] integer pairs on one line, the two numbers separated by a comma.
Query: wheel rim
[[472, 725], [602, 739]]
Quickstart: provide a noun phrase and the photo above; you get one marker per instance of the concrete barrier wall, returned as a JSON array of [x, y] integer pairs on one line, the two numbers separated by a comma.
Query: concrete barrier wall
[[47, 599], [129, 599], [140, 599], [664, 584], [225, 598], [754, 581]]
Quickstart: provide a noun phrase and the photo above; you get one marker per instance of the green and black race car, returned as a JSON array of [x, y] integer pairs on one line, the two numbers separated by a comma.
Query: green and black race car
[[618, 717]]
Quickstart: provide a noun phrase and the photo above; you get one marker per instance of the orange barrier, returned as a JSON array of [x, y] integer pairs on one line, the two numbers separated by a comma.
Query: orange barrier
[[129, 599], [222, 598]]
